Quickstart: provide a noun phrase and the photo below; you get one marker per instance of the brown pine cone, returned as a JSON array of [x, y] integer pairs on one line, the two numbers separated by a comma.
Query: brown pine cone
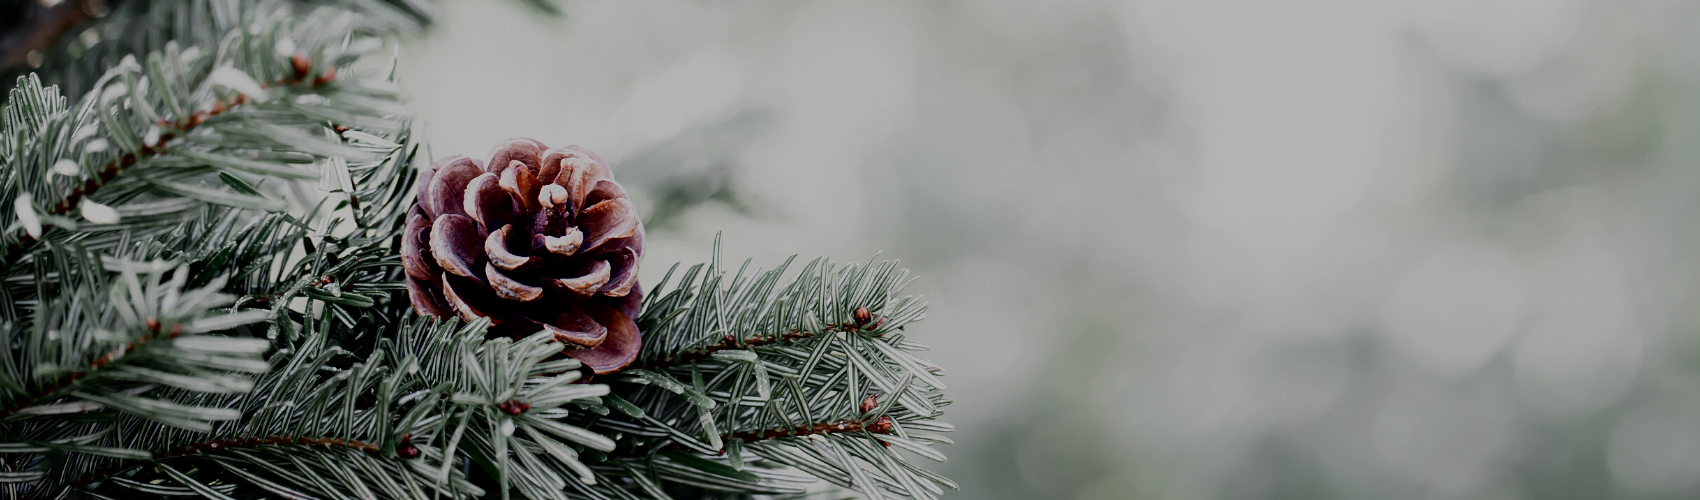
[[537, 239]]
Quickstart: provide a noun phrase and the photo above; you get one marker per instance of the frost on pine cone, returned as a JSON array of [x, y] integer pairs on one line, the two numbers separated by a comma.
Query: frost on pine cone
[[535, 239]]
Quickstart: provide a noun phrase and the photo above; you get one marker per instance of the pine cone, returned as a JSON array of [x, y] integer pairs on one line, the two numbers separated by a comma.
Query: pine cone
[[537, 239]]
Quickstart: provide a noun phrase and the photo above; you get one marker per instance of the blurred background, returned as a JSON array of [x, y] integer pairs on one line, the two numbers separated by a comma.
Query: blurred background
[[1182, 249]]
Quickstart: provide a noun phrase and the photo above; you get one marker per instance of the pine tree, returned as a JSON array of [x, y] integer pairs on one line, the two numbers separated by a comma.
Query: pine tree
[[203, 296]]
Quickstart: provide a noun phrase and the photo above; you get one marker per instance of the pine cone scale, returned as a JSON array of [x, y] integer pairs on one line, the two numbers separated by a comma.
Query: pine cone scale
[[608, 221], [469, 298], [621, 338], [509, 288], [451, 238], [537, 239], [498, 247], [564, 246], [527, 151], [427, 299], [621, 285], [519, 182], [487, 203], [448, 188], [587, 284], [572, 323], [415, 248]]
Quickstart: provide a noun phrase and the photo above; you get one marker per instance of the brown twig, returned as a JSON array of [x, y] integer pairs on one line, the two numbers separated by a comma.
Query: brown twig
[[223, 444], [117, 166], [839, 427], [688, 357]]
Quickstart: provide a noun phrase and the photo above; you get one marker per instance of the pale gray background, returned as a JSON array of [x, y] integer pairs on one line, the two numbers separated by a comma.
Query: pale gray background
[[1186, 249]]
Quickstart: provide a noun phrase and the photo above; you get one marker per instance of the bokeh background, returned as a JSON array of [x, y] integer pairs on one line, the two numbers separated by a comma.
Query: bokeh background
[[1182, 249]]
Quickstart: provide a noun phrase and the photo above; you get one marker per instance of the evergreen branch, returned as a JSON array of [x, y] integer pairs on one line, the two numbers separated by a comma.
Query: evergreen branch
[[139, 308], [75, 59], [729, 342], [406, 409], [745, 385], [225, 444], [746, 377], [694, 356], [216, 445], [848, 425], [118, 165], [842, 426], [66, 381], [322, 408], [179, 117]]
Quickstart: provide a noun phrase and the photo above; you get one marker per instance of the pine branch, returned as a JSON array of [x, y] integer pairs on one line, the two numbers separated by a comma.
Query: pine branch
[[154, 305], [841, 426], [75, 58], [187, 115], [848, 425], [66, 381], [694, 356], [117, 166], [405, 409], [745, 385], [703, 353], [746, 378], [217, 445]]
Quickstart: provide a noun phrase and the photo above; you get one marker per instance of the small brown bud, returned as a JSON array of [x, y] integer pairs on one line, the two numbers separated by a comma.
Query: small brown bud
[[325, 280], [873, 401], [862, 315], [301, 64], [881, 426], [513, 407], [405, 447], [330, 74], [153, 325], [340, 129]]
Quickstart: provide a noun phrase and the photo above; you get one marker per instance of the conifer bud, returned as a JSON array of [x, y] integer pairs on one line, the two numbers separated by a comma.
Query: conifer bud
[[863, 316], [330, 74], [873, 401], [301, 64], [513, 407], [881, 426], [405, 447]]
